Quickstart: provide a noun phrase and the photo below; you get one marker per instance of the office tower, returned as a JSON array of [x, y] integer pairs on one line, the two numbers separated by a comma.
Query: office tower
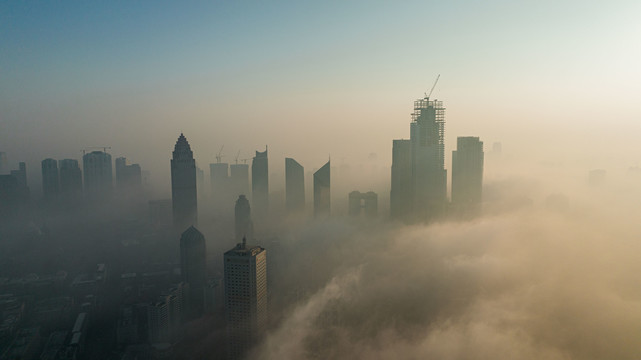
[[322, 191], [183, 185], [245, 297], [98, 175], [401, 193], [128, 177], [50, 179], [260, 183], [429, 177], [3, 163], [164, 316], [294, 186], [243, 221], [220, 181], [20, 174], [70, 180], [160, 213], [363, 203], [467, 174], [239, 179], [193, 268], [13, 197]]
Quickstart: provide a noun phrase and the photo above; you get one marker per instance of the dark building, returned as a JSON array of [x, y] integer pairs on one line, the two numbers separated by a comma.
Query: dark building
[[3, 163], [245, 297], [260, 184], [183, 185], [467, 174], [70, 180], [193, 268], [220, 185], [401, 201], [429, 177], [50, 179], [128, 177], [322, 193], [294, 186], [363, 204], [243, 221], [20, 174], [98, 175]]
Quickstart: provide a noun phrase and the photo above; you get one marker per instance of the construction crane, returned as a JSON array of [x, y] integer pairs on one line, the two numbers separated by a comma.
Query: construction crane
[[237, 155], [104, 148], [433, 86], [219, 156]]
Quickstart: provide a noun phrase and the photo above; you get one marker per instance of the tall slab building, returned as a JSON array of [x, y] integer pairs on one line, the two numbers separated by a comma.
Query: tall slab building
[[183, 185], [467, 174], [245, 270], [322, 191], [260, 183], [193, 269], [294, 186], [239, 178], [98, 176], [70, 181], [50, 179], [427, 174]]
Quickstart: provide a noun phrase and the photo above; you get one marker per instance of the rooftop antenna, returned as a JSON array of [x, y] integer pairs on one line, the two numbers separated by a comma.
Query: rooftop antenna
[[433, 86]]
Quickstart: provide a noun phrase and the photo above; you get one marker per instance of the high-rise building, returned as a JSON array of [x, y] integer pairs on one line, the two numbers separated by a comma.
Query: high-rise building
[[193, 269], [294, 186], [260, 183], [98, 175], [183, 185], [50, 179], [128, 177], [70, 180], [239, 179], [242, 218], [322, 193], [429, 177], [467, 174], [14, 193], [363, 203], [245, 297], [20, 174], [401, 201]]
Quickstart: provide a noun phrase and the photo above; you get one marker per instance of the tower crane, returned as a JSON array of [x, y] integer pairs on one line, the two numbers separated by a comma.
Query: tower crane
[[219, 156], [433, 86]]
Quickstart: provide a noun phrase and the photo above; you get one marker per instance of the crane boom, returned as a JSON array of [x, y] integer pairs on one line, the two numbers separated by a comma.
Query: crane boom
[[433, 86]]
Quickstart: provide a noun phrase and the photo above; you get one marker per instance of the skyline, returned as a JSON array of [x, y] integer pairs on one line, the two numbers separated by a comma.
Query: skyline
[[510, 73]]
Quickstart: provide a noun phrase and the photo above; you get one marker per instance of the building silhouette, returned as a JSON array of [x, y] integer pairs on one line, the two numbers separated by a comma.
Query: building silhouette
[[221, 184], [183, 185], [97, 175], [401, 201], [70, 181], [363, 204], [239, 179], [322, 193], [294, 186], [245, 297], [193, 269], [14, 193], [260, 184], [128, 177], [242, 218], [50, 179], [467, 175], [3, 163]]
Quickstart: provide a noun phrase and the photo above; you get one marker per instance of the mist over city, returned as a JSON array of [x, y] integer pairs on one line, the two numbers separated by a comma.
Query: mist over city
[[361, 180]]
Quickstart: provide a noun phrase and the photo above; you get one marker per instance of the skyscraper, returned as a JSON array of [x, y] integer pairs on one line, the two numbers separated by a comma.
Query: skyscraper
[[243, 221], [50, 179], [245, 297], [322, 194], [193, 268], [128, 177], [294, 186], [183, 185], [239, 179], [220, 183], [366, 203], [70, 180], [427, 151], [467, 174], [98, 175], [401, 202], [260, 183]]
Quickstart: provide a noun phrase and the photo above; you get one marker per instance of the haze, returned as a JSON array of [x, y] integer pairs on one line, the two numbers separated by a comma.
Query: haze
[[549, 269]]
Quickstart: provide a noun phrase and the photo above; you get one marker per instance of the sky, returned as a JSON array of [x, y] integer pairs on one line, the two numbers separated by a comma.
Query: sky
[[552, 81]]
